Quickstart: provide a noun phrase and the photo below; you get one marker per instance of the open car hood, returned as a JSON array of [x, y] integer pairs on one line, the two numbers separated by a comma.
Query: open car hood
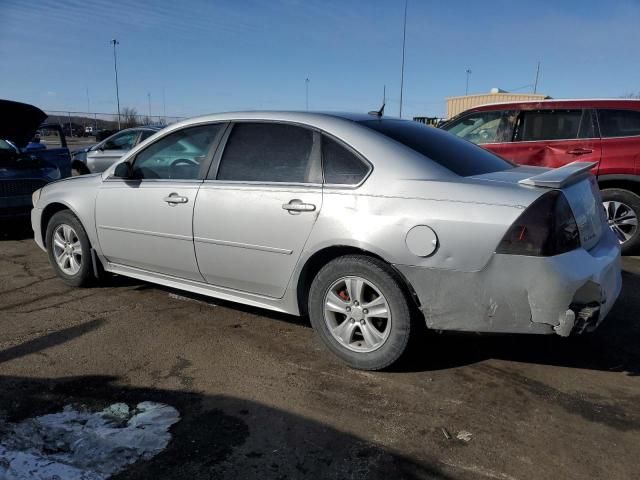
[[19, 121]]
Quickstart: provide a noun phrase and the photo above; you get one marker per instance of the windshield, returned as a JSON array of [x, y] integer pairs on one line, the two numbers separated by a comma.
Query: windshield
[[461, 157], [4, 145]]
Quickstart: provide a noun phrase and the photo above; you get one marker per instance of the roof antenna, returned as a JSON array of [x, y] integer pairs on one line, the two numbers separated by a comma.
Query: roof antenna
[[378, 113]]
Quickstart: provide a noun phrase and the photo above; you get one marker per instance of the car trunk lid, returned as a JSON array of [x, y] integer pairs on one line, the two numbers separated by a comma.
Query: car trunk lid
[[577, 184]]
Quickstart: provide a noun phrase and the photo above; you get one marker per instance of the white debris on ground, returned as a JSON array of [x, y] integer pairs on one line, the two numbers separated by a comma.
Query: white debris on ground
[[76, 444]]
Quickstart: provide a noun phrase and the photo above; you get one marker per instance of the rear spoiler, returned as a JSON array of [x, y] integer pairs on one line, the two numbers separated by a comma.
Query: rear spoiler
[[560, 177]]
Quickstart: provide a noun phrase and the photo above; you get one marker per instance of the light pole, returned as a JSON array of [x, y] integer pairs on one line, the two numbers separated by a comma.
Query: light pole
[[466, 90], [115, 67], [404, 42], [149, 100], [306, 84]]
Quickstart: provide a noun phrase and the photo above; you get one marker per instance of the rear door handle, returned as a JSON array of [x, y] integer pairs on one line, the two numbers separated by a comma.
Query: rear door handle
[[296, 206], [174, 199], [579, 151]]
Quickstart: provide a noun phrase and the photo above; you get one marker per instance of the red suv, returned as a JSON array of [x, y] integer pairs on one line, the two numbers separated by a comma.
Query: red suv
[[552, 133]]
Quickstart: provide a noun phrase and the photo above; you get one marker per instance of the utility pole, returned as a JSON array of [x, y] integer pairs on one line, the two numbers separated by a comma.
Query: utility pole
[[466, 90], [164, 106], [535, 85], [306, 84], [115, 67], [404, 42], [384, 94], [88, 102], [149, 101]]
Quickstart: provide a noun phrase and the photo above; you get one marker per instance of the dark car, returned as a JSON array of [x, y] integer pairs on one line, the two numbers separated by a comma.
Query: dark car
[[26, 165], [553, 133]]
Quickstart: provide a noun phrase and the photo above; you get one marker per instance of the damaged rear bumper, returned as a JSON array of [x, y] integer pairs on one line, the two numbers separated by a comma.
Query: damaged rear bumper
[[564, 294]]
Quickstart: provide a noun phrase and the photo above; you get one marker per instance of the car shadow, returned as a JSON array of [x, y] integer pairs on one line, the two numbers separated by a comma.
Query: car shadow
[[219, 436], [614, 346]]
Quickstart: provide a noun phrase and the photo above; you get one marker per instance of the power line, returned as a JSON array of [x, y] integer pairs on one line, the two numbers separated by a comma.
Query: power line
[[404, 42]]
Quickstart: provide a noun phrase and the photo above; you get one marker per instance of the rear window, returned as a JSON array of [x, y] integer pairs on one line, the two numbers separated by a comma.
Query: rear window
[[460, 156], [619, 123]]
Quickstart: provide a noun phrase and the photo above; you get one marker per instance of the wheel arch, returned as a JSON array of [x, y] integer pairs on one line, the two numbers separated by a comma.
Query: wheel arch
[[323, 256], [48, 212], [625, 182]]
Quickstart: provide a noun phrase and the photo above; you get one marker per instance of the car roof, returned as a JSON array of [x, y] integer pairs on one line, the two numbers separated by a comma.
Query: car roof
[[626, 103]]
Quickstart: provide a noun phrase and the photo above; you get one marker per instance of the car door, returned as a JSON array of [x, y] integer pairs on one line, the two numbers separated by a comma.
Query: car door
[[620, 131], [257, 207], [554, 137], [105, 154], [146, 221]]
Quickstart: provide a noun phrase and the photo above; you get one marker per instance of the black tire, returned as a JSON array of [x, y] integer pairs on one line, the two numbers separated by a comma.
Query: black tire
[[84, 276], [631, 201], [383, 277]]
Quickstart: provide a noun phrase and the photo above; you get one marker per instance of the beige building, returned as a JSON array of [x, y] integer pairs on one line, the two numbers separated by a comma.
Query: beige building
[[456, 105]]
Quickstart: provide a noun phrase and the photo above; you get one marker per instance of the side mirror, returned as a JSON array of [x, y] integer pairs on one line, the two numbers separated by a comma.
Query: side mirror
[[123, 170]]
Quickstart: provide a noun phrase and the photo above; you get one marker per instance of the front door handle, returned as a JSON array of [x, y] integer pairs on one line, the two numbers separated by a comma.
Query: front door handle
[[174, 199], [579, 151], [297, 206]]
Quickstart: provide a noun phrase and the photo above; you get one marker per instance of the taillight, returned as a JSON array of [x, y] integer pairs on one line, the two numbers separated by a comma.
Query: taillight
[[547, 227]]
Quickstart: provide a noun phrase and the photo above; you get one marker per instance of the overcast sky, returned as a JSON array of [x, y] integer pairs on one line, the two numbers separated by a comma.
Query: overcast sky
[[210, 56]]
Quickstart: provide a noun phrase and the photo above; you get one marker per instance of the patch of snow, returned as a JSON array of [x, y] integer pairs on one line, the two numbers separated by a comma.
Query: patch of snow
[[81, 445]]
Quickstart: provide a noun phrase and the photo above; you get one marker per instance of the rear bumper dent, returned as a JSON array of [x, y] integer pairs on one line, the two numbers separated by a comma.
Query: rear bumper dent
[[566, 294]]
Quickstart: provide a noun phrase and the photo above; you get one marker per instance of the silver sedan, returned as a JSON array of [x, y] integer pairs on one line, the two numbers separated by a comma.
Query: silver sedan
[[374, 227]]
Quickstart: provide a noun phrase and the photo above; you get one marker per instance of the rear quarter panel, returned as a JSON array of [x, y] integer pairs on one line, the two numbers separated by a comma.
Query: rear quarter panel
[[468, 230]]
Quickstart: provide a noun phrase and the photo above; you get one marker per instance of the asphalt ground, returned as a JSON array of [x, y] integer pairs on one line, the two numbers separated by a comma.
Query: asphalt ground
[[261, 398]]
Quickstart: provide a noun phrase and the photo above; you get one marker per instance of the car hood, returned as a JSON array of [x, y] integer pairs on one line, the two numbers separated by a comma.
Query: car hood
[[19, 121]]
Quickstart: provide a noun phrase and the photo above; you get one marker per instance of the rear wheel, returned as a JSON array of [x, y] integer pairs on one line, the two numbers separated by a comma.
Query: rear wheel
[[623, 210], [358, 309], [69, 249]]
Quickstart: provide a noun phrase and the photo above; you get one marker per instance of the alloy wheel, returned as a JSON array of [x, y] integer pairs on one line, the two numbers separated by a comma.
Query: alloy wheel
[[67, 249], [357, 314], [622, 220]]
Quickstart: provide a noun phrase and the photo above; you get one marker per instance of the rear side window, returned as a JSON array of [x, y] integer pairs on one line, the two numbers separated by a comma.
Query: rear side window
[[341, 166], [269, 152], [619, 123], [461, 157], [538, 125]]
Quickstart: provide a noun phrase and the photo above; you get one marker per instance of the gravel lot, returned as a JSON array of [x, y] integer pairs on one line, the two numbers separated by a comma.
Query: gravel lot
[[260, 397]]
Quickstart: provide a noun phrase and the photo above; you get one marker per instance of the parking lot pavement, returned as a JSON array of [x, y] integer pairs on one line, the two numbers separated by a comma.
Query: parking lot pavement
[[260, 398]]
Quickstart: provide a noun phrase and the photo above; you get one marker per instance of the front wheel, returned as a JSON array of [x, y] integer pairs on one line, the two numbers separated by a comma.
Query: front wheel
[[69, 249], [623, 209], [359, 311]]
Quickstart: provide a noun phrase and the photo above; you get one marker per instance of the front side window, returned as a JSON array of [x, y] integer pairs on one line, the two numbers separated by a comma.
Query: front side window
[[269, 152], [619, 123], [484, 127], [179, 155], [542, 125], [340, 165], [122, 141]]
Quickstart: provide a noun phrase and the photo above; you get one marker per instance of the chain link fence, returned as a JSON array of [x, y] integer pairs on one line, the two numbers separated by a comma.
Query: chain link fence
[[86, 128]]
